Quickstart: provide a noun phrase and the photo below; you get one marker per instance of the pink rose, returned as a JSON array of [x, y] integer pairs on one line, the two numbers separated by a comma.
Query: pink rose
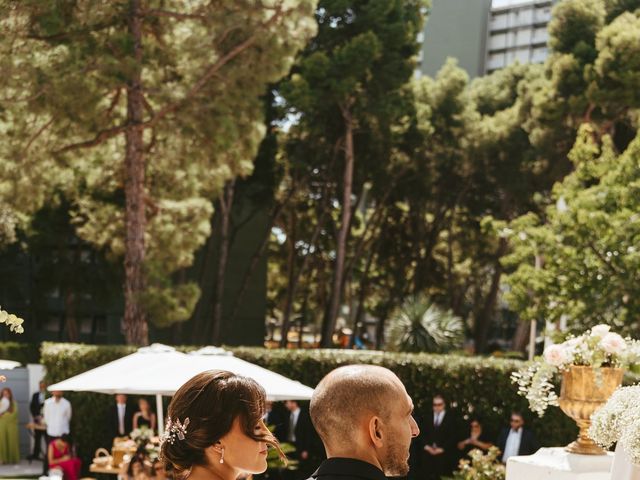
[[600, 330], [556, 355], [613, 343]]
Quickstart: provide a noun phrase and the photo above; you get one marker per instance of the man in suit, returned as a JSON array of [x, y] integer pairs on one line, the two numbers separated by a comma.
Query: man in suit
[[300, 433], [438, 441], [276, 417], [35, 407], [119, 418], [516, 439], [363, 415]]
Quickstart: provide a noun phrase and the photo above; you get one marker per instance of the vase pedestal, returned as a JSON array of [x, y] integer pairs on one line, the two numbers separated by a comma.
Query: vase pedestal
[[558, 464]]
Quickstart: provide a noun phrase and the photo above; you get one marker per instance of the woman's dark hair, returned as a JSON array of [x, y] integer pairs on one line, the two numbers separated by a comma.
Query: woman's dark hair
[[67, 439], [212, 400], [139, 457]]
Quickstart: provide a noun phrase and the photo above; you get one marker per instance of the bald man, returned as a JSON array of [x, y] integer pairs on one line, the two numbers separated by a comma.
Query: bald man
[[364, 417]]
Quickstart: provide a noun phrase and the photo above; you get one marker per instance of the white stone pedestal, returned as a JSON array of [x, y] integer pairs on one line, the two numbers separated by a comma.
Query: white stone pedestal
[[558, 464]]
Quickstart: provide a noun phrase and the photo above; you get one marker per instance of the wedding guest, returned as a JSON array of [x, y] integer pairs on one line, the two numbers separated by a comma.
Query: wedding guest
[[300, 433], [477, 438], [57, 418], [145, 416], [9, 439], [60, 455], [516, 439], [439, 438], [276, 418], [158, 470], [364, 417], [215, 428], [139, 467], [119, 418], [35, 407]]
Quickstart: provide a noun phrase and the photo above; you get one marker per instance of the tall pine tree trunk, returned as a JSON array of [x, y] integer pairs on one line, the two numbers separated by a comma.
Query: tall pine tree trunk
[[484, 316], [135, 320], [224, 209], [331, 315], [291, 283], [70, 315]]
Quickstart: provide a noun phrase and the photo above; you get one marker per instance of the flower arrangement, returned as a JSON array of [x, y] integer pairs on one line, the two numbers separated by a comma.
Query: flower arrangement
[[619, 421], [481, 466], [597, 348], [142, 435], [12, 321]]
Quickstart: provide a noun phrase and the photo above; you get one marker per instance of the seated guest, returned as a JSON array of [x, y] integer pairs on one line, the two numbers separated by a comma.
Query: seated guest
[[476, 439], [139, 467], [145, 417], [516, 439], [60, 455], [158, 470]]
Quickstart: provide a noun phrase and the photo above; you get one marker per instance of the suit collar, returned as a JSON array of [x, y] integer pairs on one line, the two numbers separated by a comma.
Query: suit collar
[[349, 467]]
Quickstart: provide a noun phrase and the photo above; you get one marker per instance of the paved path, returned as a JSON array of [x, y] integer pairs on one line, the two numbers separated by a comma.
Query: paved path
[[21, 470]]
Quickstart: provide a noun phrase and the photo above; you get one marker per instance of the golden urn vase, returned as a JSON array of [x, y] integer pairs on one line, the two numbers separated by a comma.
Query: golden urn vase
[[584, 390]]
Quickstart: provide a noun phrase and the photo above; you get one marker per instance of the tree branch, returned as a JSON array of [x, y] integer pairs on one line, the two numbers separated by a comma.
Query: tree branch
[[156, 12], [172, 107], [37, 134], [212, 71], [97, 140]]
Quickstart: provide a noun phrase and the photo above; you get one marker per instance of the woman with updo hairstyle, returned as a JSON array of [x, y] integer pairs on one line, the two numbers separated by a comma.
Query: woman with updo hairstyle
[[215, 428]]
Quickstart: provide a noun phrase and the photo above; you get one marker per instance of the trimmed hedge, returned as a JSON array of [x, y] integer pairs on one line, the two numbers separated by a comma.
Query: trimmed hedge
[[20, 352], [474, 385]]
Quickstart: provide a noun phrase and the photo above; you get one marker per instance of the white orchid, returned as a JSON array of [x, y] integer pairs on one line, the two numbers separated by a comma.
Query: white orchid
[[12, 321]]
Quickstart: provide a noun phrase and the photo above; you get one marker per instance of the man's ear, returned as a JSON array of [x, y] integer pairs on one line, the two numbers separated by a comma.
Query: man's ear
[[376, 431]]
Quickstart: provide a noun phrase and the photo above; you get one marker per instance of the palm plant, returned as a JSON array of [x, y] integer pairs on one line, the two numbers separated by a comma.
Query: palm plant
[[419, 325]]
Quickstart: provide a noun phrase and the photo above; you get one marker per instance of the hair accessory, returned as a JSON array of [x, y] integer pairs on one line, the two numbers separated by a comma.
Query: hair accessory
[[174, 429]]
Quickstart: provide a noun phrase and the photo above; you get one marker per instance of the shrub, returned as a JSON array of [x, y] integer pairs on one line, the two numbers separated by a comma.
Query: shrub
[[20, 352], [421, 326]]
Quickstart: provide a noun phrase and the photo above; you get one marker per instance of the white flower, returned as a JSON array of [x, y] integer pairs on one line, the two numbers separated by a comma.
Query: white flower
[[600, 330], [613, 343], [556, 355], [619, 421]]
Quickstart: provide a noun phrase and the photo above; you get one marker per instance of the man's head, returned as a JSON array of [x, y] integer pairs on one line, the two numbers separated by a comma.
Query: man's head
[[291, 405], [121, 398], [364, 412], [439, 404], [516, 421], [43, 386]]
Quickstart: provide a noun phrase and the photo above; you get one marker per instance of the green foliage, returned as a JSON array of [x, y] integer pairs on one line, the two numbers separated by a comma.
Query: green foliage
[[421, 326], [67, 67], [20, 352], [470, 383], [586, 243]]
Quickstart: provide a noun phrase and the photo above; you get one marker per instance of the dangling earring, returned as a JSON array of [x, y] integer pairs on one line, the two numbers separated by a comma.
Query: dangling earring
[[222, 455]]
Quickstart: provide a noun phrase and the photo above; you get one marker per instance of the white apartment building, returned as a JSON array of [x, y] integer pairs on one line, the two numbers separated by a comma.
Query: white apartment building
[[517, 31]]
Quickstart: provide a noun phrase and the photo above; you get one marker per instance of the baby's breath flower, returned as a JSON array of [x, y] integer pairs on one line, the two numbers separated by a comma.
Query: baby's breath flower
[[619, 421]]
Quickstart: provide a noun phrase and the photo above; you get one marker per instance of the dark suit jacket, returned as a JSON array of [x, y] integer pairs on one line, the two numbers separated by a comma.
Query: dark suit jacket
[[35, 407], [347, 469], [528, 444], [444, 436], [112, 421], [307, 440], [278, 417]]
